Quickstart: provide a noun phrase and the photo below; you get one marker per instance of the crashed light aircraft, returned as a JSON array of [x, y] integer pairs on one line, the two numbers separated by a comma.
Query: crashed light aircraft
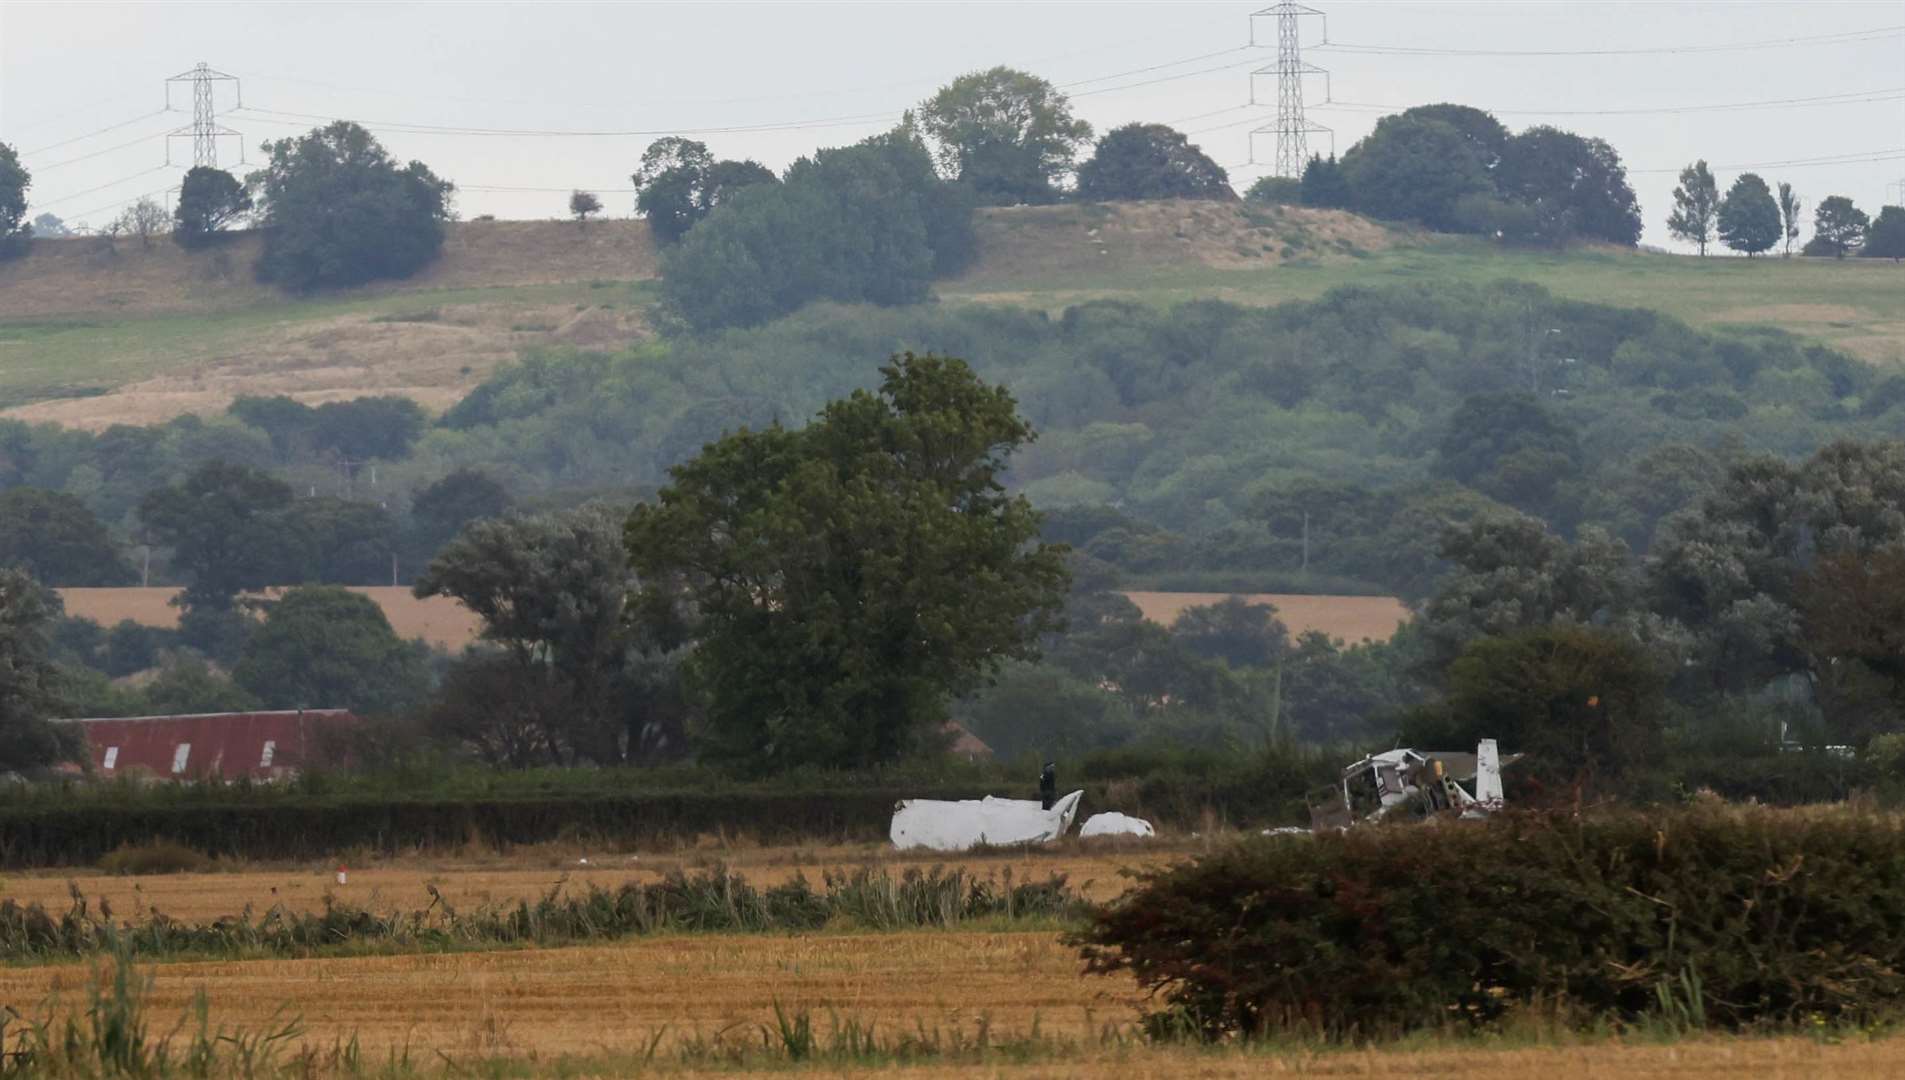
[[1427, 781]]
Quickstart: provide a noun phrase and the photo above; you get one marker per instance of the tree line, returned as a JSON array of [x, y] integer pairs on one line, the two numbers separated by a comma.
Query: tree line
[[1752, 220]]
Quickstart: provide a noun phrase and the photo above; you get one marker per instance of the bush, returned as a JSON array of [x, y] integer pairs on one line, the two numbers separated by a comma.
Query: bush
[[155, 857], [1718, 916]]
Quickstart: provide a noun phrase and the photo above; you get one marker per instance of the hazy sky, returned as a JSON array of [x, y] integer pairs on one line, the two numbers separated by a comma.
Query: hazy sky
[[844, 71]]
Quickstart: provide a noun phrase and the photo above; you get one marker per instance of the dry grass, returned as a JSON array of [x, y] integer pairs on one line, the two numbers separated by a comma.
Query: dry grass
[[1351, 618], [608, 1003], [1705, 1059], [1030, 242], [83, 276], [612, 998], [383, 885]]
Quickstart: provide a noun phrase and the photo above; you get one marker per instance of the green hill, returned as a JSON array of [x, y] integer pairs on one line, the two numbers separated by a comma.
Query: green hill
[[91, 336]]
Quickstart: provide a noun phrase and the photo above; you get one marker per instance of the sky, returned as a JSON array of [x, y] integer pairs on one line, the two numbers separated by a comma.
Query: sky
[[569, 94]]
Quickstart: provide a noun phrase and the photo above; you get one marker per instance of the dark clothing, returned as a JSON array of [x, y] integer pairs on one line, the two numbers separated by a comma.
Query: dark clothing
[[1048, 786]]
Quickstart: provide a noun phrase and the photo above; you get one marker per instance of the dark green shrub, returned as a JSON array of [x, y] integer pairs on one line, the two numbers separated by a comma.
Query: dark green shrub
[[156, 857], [1771, 917]]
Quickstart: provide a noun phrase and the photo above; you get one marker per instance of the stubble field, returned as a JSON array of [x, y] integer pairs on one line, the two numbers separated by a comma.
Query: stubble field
[[994, 1002]]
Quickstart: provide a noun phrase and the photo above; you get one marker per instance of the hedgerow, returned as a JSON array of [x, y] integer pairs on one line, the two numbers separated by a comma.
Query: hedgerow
[[1725, 917]]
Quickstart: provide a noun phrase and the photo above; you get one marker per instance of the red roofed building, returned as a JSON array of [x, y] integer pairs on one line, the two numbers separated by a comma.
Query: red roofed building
[[258, 745]]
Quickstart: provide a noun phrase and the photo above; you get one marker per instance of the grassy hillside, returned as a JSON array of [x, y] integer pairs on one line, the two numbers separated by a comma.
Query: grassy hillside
[[89, 337], [1854, 304]]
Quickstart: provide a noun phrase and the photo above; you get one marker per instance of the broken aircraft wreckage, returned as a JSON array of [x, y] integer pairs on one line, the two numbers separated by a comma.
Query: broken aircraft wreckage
[[1421, 781], [1380, 786]]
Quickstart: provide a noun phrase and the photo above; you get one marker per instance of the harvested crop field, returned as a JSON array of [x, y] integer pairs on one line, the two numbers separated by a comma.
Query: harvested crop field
[[1351, 618], [438, 620], [610, 1004], [604, 1009], [443, 622], [1092, 868]]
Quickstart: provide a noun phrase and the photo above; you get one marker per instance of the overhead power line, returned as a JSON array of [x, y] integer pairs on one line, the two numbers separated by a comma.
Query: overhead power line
[[38, 169], [1857, 157], [91, 134], [410, 128], [41, 205], [1854, 97], [1876, 33]]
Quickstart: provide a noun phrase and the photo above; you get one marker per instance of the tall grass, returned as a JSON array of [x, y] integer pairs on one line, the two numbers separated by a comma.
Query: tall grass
[[711, 901]]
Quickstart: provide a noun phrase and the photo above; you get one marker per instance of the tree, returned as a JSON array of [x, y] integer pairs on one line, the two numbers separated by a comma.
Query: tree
[[1885, 239], [1749, 216], [341, 542], [1150, 161], [1009, 135], [1414, 170], [337, 210], [1275, 191], [672, 152], [225, 532], [325, 647], [1585, 704], [1695, 205], [1484, 134], [55, 538], [1837, 227], [367, 427], [15, 233], [1510, 573], [209, 200], [1323, 185], [1789, 209], [28, 679], [840, 582], [1509, 447], [441, 510], [50, 224], [550, 589], [1573, 185], [144, 219], [679, 183], [1234, 630], [582, 204], [865, 223]]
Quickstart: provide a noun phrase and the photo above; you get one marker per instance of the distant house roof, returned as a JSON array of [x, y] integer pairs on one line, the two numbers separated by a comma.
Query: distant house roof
[[964, 743], [259, 745]]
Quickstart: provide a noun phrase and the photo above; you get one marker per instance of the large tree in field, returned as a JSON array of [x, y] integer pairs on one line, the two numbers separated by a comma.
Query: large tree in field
[[1837, 227], [1696, 202], [28, 679], [1789, 210], [14, 182], [1749, 216], [1150, 161], [1008, 134], [338, 210], [840, 583], [209, 200]]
